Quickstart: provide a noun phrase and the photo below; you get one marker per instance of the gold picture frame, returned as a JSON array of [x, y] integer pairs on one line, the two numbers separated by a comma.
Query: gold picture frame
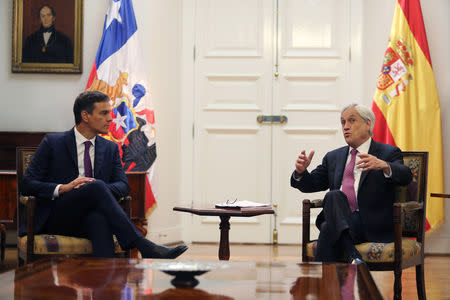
[[62, 52]]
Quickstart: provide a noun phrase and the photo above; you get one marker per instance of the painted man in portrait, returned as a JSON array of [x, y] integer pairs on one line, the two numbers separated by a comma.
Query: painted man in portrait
[[47, 45]]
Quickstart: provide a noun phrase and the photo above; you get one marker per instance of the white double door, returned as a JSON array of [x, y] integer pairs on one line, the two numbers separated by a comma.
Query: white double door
[[262, 58]]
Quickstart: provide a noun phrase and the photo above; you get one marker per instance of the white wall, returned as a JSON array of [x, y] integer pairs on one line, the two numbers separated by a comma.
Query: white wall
[[43, 102], [161, 39]]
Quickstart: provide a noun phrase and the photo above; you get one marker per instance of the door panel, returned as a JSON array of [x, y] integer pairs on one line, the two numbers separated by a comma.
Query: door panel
[[250, 61], [313, 76], [231, 28], [233, 85]]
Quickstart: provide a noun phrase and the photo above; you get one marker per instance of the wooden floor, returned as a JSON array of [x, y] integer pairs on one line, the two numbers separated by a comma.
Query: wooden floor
[[437, 268]]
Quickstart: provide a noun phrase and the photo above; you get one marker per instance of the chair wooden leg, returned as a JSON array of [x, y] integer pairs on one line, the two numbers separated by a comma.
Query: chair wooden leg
[[420, 282], [398, 284], [20, 261], [306, 228], [2, 241]]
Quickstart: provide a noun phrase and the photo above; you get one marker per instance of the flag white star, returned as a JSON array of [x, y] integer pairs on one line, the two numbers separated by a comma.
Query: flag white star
[[119, 121], [113, 13]]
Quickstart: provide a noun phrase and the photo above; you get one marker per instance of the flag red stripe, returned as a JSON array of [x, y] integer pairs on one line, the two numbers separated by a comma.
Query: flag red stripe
[[413, 13], [150, 115], [131, 167], [92, 75], [381, 131], [149, 197], [427, 225]]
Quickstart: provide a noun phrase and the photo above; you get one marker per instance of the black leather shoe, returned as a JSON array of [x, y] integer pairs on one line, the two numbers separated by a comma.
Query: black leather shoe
[[152, 250], [176, 251]]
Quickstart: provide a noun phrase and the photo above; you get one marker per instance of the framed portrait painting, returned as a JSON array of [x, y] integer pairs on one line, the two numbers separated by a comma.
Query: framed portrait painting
[[47, 36]]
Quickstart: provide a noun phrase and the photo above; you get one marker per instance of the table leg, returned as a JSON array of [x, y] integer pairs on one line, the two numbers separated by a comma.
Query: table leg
[[224, 247]]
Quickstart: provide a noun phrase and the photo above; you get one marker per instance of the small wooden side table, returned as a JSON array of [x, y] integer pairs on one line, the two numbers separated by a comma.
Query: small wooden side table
[[225, 215]]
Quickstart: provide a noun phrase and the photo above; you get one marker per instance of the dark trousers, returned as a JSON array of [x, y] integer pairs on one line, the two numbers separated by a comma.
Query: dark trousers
[[335, 220], [92, 212]]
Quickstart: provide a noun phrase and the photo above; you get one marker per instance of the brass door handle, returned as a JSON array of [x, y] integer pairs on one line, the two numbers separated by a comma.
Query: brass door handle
[[271, 119]]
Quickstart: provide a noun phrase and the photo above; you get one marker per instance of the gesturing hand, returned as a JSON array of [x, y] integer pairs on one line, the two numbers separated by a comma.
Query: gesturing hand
[[369, 162], [303, 161], [74, 184]]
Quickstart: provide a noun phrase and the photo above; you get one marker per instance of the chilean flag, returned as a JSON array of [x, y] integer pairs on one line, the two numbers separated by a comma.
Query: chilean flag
[[117, 72]]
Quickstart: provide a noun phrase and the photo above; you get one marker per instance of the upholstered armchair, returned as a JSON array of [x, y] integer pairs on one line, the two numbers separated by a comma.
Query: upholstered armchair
[[407, 250], [34, 246]]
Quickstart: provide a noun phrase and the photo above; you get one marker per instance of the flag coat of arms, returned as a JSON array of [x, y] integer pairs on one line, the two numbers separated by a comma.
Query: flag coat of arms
[[406, 103], [117, 72]]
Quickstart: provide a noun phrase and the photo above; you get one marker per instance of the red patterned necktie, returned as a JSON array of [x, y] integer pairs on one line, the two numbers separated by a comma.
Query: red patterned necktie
[[87, 159], [348, 182]]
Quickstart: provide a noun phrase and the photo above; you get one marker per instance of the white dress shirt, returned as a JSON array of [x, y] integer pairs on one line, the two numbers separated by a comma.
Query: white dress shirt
[[46, 37], [362, 149]]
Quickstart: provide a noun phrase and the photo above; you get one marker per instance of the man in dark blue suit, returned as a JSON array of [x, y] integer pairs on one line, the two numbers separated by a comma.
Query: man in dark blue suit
[[361, 179], [77, 178]]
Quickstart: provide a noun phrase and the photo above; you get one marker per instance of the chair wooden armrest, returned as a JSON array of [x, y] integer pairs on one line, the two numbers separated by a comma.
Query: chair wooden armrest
[[126, 203], [307, 205], [305, 228], [409, 206], [23, 199], [399, 209], [397, 220], [316, 203], [30, 205], [438, 195]]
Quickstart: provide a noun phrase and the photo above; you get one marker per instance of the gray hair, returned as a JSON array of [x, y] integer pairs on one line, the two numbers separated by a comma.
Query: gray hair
[[365, 113]]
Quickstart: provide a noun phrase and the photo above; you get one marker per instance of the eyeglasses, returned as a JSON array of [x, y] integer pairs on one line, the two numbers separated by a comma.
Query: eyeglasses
[[231, 201]]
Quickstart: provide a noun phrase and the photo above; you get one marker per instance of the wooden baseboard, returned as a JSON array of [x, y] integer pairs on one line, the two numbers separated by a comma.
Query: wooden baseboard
[[437, 254]]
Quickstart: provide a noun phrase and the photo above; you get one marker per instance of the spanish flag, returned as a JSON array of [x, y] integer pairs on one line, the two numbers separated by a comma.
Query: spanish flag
[[406, 103]]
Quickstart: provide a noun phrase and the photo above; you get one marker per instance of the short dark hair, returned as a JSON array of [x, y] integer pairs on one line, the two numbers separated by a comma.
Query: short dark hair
[[85, 101], [45, 5]]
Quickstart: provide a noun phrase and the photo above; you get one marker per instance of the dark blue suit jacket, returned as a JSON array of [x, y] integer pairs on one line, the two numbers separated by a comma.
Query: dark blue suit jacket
[[55, 162], [376, 193]]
